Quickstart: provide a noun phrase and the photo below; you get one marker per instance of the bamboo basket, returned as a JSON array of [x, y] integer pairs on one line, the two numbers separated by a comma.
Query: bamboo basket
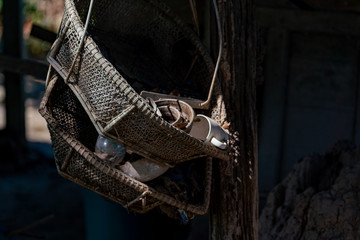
[[141, 40], [73, 139], [93, 89]]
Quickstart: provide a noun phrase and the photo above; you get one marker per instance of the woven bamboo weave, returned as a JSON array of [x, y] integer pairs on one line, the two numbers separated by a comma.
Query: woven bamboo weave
[[132, 41], [73, 138]]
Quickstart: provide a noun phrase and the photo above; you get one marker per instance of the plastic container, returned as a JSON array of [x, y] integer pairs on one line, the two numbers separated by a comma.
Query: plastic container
[[109, 151]]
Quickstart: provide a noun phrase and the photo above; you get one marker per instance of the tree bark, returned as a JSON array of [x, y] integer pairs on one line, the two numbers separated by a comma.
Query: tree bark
[[234, 205]]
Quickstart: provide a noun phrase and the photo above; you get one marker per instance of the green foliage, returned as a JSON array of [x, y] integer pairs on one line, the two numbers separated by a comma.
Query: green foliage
[[31, 11]]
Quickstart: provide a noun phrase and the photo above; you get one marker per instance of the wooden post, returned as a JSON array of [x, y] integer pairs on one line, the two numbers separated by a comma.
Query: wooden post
[[234, 205], [14, 84]]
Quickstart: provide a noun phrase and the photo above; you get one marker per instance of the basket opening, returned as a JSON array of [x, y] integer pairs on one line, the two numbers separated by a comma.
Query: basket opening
[[148, 47]]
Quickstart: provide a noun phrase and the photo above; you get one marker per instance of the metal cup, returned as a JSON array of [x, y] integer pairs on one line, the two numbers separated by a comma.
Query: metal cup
[[207, 130]]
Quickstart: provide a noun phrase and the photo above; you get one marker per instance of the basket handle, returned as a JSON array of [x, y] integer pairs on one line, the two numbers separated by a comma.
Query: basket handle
[[58, 42], [195, 103], [66, 76], [81, 41], [206, 104]]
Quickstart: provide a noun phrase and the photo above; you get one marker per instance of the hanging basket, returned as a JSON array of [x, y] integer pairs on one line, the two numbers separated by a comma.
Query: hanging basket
[[136, 42], [73, 139]]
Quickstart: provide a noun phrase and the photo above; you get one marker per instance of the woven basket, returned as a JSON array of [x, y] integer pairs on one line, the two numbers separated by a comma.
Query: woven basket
[[132, 41], [73, 138]]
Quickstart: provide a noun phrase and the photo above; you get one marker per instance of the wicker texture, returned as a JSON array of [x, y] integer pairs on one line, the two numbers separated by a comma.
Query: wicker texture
[[73, 136], [131, 41]]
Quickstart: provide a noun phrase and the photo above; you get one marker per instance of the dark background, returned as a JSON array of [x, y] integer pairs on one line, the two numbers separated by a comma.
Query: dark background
[[308, 99]]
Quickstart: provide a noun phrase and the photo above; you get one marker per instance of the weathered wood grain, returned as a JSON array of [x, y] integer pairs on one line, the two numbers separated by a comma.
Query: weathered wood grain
[[234, 207]]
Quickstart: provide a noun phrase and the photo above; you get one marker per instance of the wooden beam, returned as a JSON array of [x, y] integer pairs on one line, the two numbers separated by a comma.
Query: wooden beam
[[32, 67], [42, 33], [234, 202], [309, 21]]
